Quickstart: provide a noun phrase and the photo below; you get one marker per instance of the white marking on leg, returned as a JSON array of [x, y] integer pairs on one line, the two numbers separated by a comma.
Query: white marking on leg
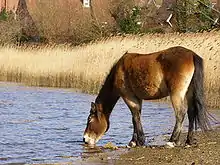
[[133, 144]]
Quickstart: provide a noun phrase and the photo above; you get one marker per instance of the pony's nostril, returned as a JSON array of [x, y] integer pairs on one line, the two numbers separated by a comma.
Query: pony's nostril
[[84, 140]]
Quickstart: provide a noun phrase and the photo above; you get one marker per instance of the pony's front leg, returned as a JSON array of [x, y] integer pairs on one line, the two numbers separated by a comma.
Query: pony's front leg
[[138, 138]]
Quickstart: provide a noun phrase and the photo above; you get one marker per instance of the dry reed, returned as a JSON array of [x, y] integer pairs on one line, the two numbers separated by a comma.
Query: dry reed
[[85, 67]]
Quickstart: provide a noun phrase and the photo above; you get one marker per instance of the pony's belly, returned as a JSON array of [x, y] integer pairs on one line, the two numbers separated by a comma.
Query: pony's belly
[[152, 92]]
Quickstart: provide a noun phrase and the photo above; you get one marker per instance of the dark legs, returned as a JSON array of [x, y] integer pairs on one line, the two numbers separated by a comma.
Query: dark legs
[[190, 140], [135, 105], [191, 116]]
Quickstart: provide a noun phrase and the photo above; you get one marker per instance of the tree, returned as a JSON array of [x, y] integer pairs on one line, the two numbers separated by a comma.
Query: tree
[[29, 29]]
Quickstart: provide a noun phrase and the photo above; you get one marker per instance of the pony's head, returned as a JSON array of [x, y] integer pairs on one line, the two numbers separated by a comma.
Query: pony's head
[[97, 124]]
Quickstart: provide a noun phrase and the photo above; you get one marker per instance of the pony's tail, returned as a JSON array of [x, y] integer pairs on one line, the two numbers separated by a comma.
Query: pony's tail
[[200, 113]]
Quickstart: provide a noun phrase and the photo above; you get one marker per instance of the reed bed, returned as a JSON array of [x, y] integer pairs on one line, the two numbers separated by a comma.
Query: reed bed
[[85, 67]]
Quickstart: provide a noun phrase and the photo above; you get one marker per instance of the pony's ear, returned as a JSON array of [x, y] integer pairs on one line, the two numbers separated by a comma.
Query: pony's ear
[[93, 106]]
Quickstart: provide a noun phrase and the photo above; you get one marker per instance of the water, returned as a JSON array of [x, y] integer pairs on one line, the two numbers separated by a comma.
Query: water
[[45, 125]]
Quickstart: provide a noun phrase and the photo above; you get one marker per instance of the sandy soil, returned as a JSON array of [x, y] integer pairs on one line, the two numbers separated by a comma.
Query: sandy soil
[[207, 151]]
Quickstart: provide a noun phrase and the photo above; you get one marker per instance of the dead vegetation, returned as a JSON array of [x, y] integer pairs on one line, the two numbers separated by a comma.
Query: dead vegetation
[[85, 67]]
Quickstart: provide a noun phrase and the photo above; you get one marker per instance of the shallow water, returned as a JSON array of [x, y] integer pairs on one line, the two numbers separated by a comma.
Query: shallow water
[[45, 125]]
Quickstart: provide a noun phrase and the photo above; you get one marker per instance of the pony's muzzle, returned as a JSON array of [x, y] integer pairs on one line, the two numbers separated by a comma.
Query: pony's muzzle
[[88, 140]]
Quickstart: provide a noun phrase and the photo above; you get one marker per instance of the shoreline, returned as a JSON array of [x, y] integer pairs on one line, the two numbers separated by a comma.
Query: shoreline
[[206, 151]]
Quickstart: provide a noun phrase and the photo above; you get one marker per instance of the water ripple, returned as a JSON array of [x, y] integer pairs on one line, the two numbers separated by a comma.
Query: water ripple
[[39, 125]]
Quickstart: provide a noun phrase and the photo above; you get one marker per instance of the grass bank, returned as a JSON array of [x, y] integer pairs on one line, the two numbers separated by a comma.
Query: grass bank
[[85, 67], [206, 152]]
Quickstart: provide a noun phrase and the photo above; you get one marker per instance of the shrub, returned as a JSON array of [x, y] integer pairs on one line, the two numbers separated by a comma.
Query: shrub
[[3, 15], [193, 15], [131, 23], [10, 29], [127, 16]]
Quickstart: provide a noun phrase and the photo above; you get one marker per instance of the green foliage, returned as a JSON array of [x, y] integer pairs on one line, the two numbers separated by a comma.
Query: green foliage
[[127, 16], [193, 15], [3, 15], [131, 22]]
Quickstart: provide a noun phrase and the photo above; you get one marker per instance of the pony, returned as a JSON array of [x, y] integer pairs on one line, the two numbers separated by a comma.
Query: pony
[[176, 72]]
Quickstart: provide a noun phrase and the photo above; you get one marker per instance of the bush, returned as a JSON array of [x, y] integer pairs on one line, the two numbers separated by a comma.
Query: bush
[[3, 15], [131, 23], [10, 29], [127, 16], [193, 15]]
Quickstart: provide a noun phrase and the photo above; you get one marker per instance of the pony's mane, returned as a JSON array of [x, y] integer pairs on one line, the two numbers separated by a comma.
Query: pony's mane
[[108, 83], [107, 88]]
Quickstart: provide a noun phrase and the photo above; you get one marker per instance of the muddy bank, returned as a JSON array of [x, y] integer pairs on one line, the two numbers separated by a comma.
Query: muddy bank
[[207, 151]]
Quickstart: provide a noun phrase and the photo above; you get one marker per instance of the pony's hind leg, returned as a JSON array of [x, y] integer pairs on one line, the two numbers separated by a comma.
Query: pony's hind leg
[[180, 111], [178, 89], [135, 105], [191, 116], [190, 139]]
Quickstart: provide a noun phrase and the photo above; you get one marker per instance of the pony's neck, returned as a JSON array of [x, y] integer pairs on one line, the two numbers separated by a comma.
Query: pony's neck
[[108, 95], [107, 100]]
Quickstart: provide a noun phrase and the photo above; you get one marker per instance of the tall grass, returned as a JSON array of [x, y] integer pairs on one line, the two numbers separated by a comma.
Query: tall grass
[[85, 67]]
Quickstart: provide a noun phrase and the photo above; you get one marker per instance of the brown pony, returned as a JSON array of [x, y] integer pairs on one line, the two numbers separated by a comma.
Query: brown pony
[[176, 72]]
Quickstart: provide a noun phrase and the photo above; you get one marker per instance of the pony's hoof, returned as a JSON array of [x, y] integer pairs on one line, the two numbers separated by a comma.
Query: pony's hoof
[[188, 145], [170, 144], [132, 144], [191, 142]]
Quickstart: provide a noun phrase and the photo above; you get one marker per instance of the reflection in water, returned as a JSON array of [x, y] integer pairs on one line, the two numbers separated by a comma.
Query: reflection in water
[[45, 125], [88, 150]]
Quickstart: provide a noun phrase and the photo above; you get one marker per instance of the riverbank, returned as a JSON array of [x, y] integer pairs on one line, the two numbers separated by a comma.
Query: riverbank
[[206, 152]]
